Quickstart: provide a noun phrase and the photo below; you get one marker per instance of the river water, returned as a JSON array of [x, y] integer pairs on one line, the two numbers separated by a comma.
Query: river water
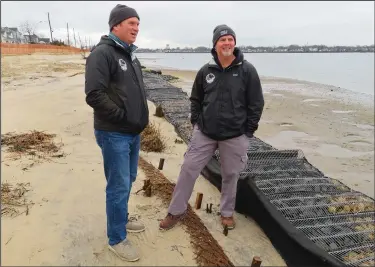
[[352, 71]]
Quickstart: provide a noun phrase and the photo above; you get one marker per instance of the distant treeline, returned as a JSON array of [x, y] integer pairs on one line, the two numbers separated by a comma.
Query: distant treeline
[[269, 49]]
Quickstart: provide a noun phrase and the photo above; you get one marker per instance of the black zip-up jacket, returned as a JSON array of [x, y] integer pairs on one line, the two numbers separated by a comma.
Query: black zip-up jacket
[[114, 88], [227, 103]]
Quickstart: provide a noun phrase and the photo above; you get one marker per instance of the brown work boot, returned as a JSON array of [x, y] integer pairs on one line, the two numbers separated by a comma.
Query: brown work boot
[[228, 221], [170, 221]]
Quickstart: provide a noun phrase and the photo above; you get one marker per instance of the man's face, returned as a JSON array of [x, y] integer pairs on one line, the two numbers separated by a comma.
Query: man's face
[[225, 45], [127, 30]]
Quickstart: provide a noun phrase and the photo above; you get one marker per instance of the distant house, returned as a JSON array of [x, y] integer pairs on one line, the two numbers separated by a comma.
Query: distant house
[[44, 40], [32, 38], [12, 35]]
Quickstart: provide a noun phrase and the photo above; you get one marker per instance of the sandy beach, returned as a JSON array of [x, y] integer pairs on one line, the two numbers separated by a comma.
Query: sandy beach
[[67, 224]]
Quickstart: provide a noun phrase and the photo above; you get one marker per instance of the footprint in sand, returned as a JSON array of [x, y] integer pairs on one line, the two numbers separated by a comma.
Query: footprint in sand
[[343, 111], [280, 95], [313, 100], [330, 150], [365, 126], [144, 207], [360, 142], [286, 124], [266, 121]]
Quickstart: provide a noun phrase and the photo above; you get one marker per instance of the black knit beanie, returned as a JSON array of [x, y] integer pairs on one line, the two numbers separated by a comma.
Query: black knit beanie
[[120, 13], [222, 30]]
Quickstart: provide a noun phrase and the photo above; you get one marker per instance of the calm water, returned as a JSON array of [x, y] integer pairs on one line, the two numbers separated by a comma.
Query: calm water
[[353, 71]]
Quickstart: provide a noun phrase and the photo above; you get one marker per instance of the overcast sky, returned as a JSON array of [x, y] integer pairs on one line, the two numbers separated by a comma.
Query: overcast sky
[[191, 23]]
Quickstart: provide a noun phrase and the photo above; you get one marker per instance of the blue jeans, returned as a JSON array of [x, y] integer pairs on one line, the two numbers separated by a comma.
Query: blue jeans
[[120, 155]]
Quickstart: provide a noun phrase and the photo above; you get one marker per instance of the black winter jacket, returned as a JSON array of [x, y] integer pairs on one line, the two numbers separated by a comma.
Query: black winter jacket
[[114, 89], [228, 102]]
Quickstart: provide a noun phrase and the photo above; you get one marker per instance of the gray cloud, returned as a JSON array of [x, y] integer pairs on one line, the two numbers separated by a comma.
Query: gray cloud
[[191, 23]]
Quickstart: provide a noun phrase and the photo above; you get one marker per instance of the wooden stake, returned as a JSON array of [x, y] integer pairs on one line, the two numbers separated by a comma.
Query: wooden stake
[[147, 187], [146, 184], [161, 164], [256, 262], [225, 231], [198, 201]]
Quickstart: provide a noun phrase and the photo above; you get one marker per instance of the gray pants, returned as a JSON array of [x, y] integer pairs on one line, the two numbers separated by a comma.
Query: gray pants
[[233, 157]]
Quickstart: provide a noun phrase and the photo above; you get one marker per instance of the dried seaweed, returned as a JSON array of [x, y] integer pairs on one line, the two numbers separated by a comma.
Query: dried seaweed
[[13, 199], [35, 144], [207, 250]]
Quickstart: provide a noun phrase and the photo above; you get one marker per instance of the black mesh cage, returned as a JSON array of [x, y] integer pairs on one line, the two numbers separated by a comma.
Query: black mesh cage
[[313, 220]]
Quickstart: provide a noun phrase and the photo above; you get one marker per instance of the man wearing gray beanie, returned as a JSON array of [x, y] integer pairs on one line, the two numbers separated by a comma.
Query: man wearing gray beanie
[[222, 30], [114, 89], [226, 106]]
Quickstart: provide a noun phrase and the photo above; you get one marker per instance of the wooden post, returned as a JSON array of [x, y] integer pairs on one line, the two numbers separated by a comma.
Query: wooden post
[[161, 164], [225, 231], [147, 187], [146, 184], [256, 262], [198, 201]]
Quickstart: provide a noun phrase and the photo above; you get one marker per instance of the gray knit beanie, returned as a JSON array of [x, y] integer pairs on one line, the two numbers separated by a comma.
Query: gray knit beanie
[[222, 30], [120, 13]]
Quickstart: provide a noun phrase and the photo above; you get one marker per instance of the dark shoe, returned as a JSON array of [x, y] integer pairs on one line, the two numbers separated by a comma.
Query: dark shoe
[[170, 221], [228, 221]]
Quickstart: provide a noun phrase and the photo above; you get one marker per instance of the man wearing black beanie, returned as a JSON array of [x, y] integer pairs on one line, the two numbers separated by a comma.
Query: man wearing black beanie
[[226, 106], [114, 89]]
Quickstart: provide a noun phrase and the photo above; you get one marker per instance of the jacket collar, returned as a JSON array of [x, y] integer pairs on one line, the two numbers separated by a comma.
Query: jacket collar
[[128, 48]]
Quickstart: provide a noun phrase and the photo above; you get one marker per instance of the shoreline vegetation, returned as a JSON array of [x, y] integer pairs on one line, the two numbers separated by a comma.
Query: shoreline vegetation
[[269, 49]]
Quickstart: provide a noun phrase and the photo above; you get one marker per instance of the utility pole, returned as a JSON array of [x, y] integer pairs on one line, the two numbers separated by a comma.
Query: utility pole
[[50, 28], [67, 31], [74, 35], [80, 42]]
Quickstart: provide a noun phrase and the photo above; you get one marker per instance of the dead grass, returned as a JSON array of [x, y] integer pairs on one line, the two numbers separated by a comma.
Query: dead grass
[[35, 144], [207, 250], [152, 140], [13, 201]]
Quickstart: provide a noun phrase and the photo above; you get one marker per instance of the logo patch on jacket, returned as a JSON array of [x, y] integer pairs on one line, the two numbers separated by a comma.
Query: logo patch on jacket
[[210, 78], [122, 64]]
